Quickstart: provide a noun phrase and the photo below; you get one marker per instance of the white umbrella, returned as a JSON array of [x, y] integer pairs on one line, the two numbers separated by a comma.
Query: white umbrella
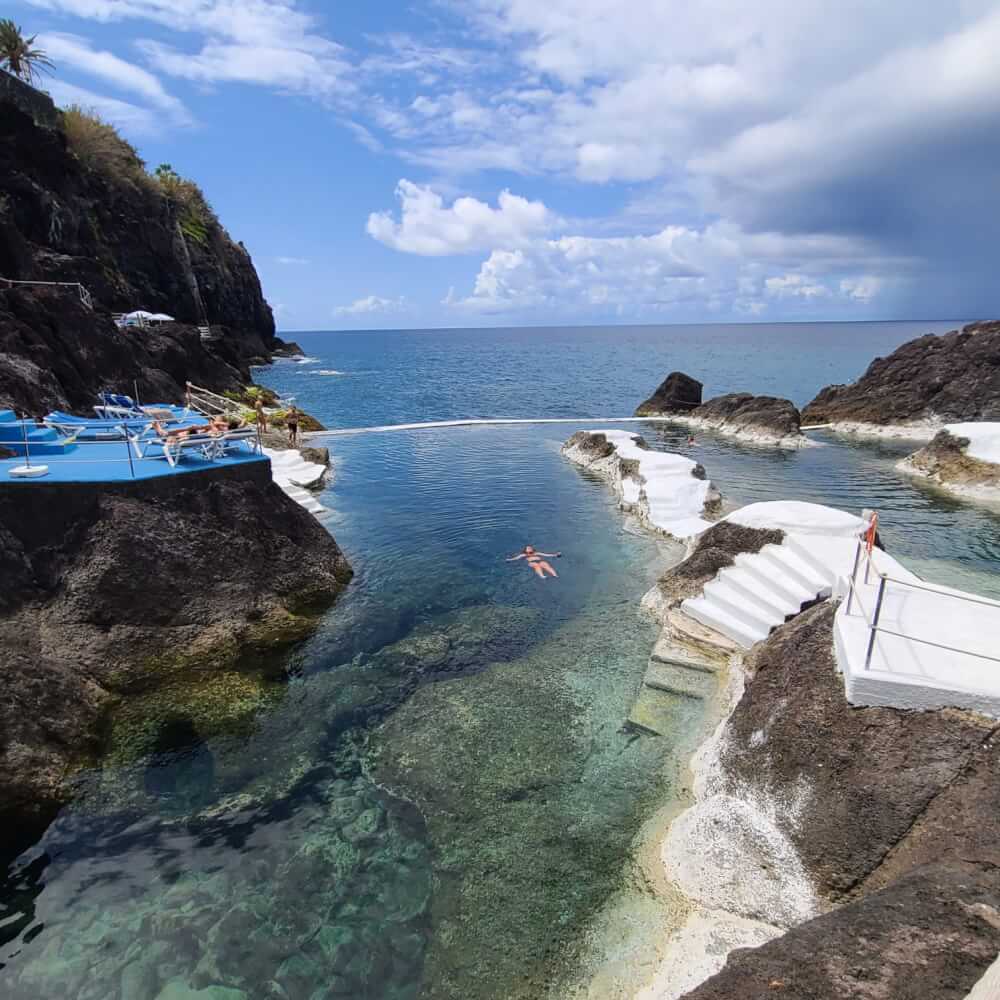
[[161, 318]]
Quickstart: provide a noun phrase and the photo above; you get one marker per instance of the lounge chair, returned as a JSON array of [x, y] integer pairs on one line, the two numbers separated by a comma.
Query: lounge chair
[[231, 440]]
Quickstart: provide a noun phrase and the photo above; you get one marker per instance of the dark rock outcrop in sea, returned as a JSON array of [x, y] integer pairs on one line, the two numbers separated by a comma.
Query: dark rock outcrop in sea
[[110, 592], [120, 234], [677, 393], [765, 419], [928, 380], [892, 814]]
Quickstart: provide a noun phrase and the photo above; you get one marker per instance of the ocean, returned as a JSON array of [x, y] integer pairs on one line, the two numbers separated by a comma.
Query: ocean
[[434, 796]]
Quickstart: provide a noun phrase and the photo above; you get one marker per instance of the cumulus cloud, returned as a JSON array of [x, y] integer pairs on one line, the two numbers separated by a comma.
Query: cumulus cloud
[[370, 304], [675, 273], [429, 227]]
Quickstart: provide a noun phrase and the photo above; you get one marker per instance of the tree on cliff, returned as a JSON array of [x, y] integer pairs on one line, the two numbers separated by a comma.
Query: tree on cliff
[[19, 55]]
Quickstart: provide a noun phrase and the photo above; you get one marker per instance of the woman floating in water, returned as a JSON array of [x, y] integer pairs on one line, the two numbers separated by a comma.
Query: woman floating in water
[[536, 560]]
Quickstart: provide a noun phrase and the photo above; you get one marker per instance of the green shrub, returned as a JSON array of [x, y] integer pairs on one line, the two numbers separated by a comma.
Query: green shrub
[[195, 215]]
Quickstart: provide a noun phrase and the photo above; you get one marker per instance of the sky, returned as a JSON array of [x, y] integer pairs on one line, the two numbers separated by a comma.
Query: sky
[[513, 162]]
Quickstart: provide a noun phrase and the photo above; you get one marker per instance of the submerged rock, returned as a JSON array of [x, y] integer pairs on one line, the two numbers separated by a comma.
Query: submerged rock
[[925, 383]]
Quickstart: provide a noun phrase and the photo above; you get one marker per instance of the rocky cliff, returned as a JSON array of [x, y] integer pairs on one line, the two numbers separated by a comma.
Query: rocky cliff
[[926, 382], [892, 818], [111, 592], [83, 209]]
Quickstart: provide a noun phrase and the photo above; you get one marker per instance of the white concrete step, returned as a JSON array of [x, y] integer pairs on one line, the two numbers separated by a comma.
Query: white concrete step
[[714, 617], [824, 556], [761, 593], [734, 603], [773, 577], [793, 567]]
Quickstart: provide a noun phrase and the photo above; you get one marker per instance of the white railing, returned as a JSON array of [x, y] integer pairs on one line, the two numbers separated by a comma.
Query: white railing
[[866, 556], [85, 296], [208, 402]]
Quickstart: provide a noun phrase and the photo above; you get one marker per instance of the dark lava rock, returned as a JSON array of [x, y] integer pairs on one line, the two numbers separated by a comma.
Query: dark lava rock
[[931, 934], [120, 235], [109, 593], [872, 773], [944, 460], [740, 411], [594, 446], [715, 549], [952, 378], [678, 393], [893, 814]]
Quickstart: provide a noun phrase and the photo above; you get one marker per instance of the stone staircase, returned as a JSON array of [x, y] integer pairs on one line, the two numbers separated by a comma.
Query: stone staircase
[[761, 590], [677, 669]]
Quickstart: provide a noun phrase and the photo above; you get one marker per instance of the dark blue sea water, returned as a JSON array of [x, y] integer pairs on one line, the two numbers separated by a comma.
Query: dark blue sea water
[[434, 796]]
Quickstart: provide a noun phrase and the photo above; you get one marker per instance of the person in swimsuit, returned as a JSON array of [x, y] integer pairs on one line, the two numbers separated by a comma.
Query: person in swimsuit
[[536, 560]]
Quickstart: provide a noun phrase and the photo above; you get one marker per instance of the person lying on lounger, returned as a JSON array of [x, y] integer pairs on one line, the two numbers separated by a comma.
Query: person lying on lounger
[[537, 560]]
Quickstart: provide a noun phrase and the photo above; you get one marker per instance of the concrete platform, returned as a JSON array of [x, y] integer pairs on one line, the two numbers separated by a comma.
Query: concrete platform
[[108, 462], [944, 652]]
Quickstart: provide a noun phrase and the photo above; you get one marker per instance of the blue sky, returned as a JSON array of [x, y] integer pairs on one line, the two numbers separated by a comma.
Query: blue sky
[[508, 162]]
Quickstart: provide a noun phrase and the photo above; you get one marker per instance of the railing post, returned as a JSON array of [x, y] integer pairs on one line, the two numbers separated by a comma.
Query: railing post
[[128, 450], [854, 572], [874, 628]]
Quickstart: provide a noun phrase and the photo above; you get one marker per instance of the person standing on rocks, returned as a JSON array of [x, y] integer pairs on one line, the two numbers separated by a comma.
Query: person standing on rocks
[[261, 415], [292, 423]]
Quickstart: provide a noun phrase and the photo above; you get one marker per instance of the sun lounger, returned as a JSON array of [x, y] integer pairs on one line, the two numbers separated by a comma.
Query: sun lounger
[[207, 446]]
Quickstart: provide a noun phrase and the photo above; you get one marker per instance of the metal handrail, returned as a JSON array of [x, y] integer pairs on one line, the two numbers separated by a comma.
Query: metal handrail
[[85, 296], [873, 623]]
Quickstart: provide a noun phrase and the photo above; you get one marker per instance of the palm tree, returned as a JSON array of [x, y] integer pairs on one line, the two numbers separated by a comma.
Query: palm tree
[[19, 55]]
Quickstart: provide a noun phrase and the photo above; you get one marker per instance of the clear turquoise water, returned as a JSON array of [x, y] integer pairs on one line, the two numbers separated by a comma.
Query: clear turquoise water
[[438, 795]]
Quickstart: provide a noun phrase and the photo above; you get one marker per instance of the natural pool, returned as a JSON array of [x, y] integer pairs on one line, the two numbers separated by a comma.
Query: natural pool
[[435, 796]]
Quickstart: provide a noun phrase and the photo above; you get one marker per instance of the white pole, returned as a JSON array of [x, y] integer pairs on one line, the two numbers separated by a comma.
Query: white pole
[[27, 450]]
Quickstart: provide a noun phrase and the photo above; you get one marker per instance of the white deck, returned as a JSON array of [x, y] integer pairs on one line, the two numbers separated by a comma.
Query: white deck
[[949, 669]]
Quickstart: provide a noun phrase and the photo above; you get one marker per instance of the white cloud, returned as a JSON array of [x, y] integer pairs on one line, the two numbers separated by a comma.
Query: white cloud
[[794, 286], [267, 42], [429, 227], [370, 304], [292, 261], [78, 53], [863, 289], [678, 272]]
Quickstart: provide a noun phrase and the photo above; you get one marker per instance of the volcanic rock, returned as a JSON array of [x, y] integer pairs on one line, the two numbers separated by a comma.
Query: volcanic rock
[[678, 393], [763, 418], [944, 461], [109, 592], [930, 380]]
